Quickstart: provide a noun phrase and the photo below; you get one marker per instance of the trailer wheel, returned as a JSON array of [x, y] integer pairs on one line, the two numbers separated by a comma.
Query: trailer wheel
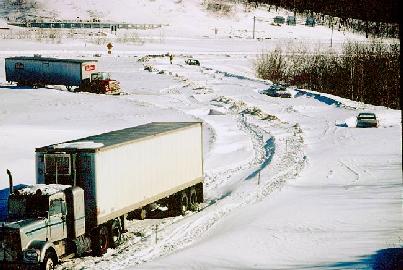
[[116, 233], [193, 205], [184, 203], [138, 214], [100, 241], [49, 261]]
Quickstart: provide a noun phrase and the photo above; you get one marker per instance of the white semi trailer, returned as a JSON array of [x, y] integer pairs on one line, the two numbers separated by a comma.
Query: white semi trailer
[[85, 188]]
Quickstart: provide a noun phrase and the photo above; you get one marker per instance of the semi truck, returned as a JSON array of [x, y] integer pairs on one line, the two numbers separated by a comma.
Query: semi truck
[[85, 189], [75, 74]]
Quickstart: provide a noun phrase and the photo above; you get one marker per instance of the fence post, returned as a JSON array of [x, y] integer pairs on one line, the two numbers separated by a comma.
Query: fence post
[[156, 233], [258, 178], [254, 24]]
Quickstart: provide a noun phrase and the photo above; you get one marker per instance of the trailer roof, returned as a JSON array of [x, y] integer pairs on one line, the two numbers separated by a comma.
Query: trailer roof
[[113, 138], [50, 59]]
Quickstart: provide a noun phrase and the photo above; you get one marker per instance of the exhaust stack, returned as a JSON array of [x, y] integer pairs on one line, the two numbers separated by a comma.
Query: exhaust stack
[[10, 181]]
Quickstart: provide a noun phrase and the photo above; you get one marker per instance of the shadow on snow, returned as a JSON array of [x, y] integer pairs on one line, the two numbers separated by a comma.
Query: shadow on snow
[[323, 99], [384, 259], [269, 148]]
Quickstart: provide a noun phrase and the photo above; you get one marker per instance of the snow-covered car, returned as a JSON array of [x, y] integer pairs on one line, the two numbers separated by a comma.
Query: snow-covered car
[[191, 61], [277, 90], [366, 119]]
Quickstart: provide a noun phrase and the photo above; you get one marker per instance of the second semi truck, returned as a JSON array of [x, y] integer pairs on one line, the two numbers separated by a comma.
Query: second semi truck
[[77, 74], [86, 187]]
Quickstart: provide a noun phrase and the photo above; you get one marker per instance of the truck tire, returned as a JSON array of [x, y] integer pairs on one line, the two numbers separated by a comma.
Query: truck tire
[[49, 261], [116, 233], [138, 214], [183, 203], [142, 214], [199, 192], [100, 241], [193, 205]]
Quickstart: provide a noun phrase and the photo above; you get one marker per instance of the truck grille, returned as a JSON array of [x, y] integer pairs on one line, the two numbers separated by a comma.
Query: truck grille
[[10, 245], [114, 87]]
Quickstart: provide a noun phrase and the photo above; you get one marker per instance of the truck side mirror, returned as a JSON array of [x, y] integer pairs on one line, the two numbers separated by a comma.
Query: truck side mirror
[[64, 209]]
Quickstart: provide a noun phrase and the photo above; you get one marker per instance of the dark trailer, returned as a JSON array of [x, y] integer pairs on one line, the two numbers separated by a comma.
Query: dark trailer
[[41, 71]]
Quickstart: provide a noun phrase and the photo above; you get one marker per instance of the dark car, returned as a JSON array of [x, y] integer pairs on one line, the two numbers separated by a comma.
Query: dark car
[[191, 61], [291, 20], [279, 20], [277, 90], [367, 120]]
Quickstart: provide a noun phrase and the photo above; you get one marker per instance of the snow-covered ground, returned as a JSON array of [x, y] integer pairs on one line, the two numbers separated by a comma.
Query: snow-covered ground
[[290, 183]]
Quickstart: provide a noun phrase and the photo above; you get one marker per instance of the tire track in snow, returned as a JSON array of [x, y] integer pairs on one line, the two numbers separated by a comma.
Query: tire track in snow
[[284, 166], [186, 234]]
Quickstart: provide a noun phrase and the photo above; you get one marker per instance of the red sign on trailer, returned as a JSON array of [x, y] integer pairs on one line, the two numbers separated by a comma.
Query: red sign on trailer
[[89, 67]]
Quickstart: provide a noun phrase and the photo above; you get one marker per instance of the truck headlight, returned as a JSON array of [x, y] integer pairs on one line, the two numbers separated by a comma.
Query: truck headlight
[[31, 255]]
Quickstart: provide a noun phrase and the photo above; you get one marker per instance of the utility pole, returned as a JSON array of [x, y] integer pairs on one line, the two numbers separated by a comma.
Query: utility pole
[[331, 36], [254, 24]]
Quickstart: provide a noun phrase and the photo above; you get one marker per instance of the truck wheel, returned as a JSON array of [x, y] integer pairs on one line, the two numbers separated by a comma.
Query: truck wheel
[[116, 233], [49, 262], [100, 241], [193, 206]]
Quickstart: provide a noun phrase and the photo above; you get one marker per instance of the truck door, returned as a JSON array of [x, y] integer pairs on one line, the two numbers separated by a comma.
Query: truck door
[[57, 220]]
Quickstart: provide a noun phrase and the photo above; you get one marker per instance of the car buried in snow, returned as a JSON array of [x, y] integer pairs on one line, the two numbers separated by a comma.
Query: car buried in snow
[[276, 90], [366, 120], [192, 62]]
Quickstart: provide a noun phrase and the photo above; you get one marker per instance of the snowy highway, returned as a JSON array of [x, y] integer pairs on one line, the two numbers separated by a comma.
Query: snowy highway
[[282, 149]]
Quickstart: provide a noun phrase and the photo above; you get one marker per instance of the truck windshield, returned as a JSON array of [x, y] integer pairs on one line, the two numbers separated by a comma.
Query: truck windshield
[[100, 76], [27, 207]]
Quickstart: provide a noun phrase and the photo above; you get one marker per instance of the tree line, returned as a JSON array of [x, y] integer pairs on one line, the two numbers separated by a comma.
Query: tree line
[[369, 73], [380, 18], [372, 10]]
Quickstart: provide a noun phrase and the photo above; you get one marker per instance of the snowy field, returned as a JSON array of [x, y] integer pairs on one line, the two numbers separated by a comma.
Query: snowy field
[[289, 183]]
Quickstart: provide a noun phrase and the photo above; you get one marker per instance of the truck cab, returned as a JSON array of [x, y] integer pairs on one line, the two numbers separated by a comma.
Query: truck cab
[[38, 227], [100, 83]]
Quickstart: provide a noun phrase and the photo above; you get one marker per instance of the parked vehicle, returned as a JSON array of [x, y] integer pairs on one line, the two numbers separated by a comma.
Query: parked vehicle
[[40, 71], [277, 90], [191, 61], [310, 21], [279, 20], [366, 119], [291, 20], [86, 187]]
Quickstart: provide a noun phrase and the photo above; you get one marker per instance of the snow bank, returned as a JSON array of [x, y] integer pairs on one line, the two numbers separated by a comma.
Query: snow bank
[[79, 145], [44, 189]]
